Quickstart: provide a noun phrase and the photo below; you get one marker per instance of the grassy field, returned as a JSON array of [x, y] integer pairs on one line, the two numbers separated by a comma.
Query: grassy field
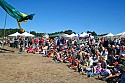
[[33, 68]]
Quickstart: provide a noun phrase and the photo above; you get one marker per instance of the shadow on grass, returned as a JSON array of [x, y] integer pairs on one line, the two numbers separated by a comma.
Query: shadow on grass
[[2, 50]]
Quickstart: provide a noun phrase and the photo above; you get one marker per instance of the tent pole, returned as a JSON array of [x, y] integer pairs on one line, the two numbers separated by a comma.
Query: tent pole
[[4, 28]]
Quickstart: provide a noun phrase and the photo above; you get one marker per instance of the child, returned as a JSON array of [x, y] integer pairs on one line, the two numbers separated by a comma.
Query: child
[[75, 65], [55, 56], [97, 70], [30, 49], [20, 50], [58, 57]]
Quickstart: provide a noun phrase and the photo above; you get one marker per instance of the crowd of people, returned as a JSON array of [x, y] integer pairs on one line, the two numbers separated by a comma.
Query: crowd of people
[[102, 57]]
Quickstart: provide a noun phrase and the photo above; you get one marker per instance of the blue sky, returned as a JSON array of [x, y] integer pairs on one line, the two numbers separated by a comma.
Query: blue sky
[[101, 16]]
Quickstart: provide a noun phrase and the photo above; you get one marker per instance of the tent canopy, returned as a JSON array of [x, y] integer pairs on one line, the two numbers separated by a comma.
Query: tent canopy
[[84, 34], [46, 36], [109, 35], [26, 34], [72, 35], [60, 35], [122, 33], [14, 34]]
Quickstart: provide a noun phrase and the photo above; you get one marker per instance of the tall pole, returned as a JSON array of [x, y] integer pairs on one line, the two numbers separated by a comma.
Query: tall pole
[[4, 28]]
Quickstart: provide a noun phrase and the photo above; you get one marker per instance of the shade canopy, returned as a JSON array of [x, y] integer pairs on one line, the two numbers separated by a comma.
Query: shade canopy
[[46, 36], [84, 34], [122, 33], [60, 35], [72, 35], [14, 34], [26, 34], [109, 35]]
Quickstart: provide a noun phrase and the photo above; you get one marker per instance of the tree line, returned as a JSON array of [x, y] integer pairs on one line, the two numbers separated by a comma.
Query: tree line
[[69, 32]]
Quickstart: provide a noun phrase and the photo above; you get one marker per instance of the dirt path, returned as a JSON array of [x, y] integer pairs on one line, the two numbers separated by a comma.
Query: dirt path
[[33, 68]]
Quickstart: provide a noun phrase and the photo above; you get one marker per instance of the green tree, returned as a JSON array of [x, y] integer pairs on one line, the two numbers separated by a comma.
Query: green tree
[[39, 34], [33, 32], [69, 32], [103, 34], [93, 33], [88, 31]]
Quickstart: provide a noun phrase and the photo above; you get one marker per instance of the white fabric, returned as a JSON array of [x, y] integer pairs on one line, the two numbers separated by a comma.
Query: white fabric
[[109, 35], [84, 34], [46, 36], [91, 61], [15, 34], [67, 35], [26, 34], [123, 33], [74, 35]]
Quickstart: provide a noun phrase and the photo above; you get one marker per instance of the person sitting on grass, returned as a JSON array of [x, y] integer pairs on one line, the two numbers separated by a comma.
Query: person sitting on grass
[[75, 66], [36, 50], [69, 58], [115, 73], [85, 65], [51, 53], [20, 50], [64, 56], [55, 56], [58, 57], [30, 49], [97, 70], [111, 74]]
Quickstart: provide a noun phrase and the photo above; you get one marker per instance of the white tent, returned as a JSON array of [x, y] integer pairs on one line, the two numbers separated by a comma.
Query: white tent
[[123, 33], [91, 36], [109, 35], [84, 34], [14, 34], [73, 35], [26, 34], [46, 36], [65, 35]]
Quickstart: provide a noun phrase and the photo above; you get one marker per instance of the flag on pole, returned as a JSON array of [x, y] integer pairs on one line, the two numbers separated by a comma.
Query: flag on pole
[[19, 16], [15, 13]]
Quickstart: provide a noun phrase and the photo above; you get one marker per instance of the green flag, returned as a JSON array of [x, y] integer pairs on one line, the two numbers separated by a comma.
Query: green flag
[[15, 13]]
